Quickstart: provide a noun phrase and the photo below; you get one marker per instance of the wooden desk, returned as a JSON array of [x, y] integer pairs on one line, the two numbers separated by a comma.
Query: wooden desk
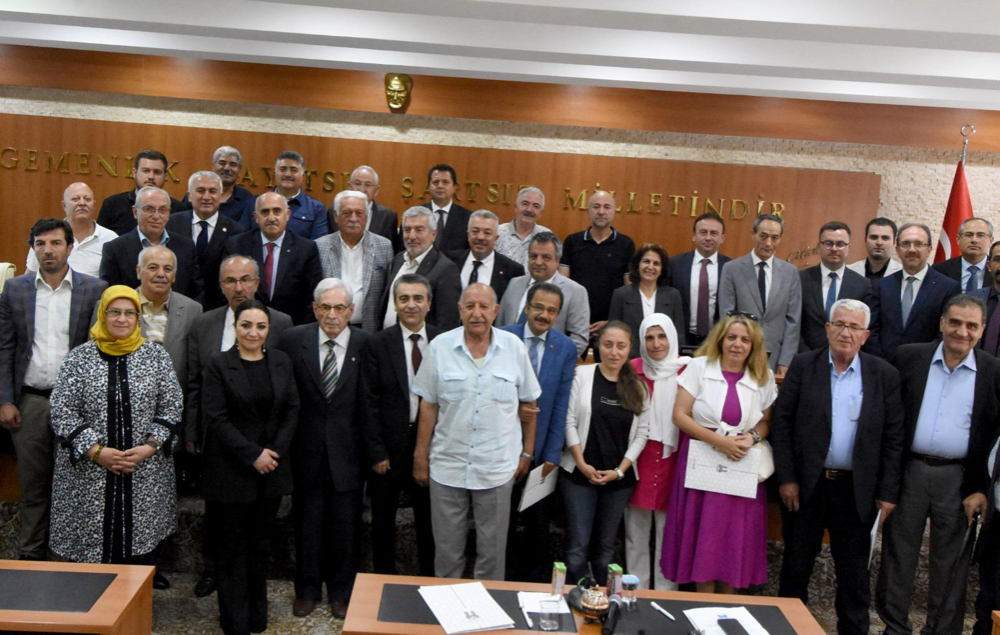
[[996, 622], [125, 608], [362, 616]]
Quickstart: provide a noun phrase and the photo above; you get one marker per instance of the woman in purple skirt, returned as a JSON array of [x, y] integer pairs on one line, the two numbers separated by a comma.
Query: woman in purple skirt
[[724, 399]]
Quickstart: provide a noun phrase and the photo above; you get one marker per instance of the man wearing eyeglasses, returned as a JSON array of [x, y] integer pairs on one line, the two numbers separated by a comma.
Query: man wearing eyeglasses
[[213, 332], [381, 221], [975, 235], [907, 306], [828, 282], [837, 434], [120, 256]]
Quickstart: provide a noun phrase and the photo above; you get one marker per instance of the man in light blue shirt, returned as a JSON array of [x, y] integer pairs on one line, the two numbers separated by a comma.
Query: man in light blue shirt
[[476, 433]]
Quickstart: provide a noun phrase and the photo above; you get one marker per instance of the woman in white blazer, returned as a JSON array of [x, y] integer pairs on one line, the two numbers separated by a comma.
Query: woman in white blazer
[[606, 429]]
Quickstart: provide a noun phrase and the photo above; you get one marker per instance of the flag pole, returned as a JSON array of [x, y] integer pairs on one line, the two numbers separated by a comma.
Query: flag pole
[[965, 139]]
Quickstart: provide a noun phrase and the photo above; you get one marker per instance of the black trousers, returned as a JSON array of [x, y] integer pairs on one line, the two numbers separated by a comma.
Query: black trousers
[[384, 490], [988, 599], [528, 538], [831, 507], [241, 540], [327, 537]]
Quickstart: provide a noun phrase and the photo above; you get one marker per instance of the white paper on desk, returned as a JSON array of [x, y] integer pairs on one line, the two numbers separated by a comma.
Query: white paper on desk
[[465, 608], [532, 601], [706, 620], [537, 487], [871, 545]]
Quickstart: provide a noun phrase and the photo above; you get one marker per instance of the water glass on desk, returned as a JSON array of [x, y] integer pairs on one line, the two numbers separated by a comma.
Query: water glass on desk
[[549, 618]]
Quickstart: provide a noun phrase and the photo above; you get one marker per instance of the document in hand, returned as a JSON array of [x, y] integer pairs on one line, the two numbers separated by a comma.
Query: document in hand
[[712, 471], [871, 544], [465, 608], [706, 620], [538, 487]]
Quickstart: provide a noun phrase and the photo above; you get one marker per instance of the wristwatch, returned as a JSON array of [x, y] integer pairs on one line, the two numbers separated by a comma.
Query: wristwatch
[[619, 473], [525, 455], [755, 435]]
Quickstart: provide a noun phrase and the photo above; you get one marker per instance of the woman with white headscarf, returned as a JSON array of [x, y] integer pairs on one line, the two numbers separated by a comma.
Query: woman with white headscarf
[[658, 365]]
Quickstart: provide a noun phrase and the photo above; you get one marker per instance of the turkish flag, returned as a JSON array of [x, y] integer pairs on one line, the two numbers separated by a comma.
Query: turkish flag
[[959, 209]]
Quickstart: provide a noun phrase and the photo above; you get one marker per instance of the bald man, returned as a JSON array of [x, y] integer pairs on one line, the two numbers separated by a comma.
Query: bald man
[[88, 236]]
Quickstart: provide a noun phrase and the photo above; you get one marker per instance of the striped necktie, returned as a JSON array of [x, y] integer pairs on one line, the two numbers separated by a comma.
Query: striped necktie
[[330, 370]]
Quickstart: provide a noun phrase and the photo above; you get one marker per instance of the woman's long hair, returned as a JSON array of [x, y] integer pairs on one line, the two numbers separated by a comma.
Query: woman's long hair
[[631, 390], [756, 362]]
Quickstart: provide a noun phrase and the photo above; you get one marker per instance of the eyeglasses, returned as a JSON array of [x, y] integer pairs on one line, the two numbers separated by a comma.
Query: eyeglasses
[[553, 311], [231, 282], [979, 235], [913, 245], [744, 314], [162, 211], [359, 184], [829, 244], [117, 313], [840, 326], [339, 309]]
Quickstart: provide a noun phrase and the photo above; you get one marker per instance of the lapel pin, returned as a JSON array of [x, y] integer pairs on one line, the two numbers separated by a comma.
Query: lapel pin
[[352, 359]]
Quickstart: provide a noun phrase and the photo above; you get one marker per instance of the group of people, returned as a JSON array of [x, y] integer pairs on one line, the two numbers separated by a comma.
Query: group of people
[[274, 346]]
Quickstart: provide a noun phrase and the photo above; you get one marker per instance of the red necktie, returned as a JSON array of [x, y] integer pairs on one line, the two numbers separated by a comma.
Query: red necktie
[[268, 270]]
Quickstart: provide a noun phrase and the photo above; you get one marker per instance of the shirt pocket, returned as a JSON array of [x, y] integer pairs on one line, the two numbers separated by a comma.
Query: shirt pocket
[[854, 407], [454, 386], [504, 386]]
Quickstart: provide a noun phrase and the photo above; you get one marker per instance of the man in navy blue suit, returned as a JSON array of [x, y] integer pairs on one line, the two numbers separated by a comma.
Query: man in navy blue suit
[[685, 275], [553, 356], [906, 306]]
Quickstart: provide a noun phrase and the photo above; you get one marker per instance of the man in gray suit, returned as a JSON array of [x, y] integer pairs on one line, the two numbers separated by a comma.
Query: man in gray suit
[[767, 288], [357, 256], [213, 332], [48, 311], [544, 254]]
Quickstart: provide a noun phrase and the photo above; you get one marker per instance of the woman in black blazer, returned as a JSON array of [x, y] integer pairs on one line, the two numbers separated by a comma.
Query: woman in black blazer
[[649, 293], [250, 407]]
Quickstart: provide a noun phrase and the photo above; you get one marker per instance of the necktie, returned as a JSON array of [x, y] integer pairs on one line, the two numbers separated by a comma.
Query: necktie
[[474, 276], [536, 343], [993, 332], [202, 243], [330, 370], [908, 298], [831, 294], [416, 356], [701, 322], [973, 282], [762, 286], [268, 270]]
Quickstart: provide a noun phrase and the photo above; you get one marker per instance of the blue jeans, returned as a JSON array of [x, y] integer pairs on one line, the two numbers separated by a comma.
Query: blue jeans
[[593, 514]]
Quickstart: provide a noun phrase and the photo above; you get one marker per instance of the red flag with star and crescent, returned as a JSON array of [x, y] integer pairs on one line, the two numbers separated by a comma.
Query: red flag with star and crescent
[[959, 209]]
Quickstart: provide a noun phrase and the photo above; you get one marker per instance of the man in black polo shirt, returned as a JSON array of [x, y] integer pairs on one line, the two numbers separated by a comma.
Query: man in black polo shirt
[[116, 210], [597, 258]]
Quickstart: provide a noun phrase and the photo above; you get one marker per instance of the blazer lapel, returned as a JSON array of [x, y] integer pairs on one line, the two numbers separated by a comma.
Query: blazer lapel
[[310, 350], [397, 353], [367, 259], [350, 365], [750, 274], [215, 334], [776, 288], [893, 309], [76, 307], [219, 237], [280, 372], [286, 255], [633, 304], [816, 297], [926, 290]]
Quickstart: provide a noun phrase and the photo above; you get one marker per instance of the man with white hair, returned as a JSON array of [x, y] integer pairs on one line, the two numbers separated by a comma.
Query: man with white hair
[[837, 434], [208, 228], [88, 236], [357, 256], [514, 237], [119, 256], [327, 455], [481, 262], [234, 200], [382, 221]]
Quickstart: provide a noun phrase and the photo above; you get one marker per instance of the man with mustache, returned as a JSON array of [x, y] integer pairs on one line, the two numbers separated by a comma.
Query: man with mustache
[[88, 236], [357, 256], [208, 228], [471, 445], [150, 169], [553, 358], [452, 218], [513, 237], [381, 220], [307, 216], [880, 241], [481, 262], [289, 264]]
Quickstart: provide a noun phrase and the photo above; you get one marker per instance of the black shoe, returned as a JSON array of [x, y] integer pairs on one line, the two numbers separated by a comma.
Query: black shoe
[[160, 581], [205, 586]]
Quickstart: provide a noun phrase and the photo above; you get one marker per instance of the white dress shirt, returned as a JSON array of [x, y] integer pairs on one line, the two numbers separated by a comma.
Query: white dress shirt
[[981, 266], [768, 268], [695, 284], [196, 226], [275, 256], [825, 279], [228, 330], [86, 254], [340, 344], [485, 269], [409, 266], [528, 342], [51, 342], [408, 347], [352, 270], [920, 275]]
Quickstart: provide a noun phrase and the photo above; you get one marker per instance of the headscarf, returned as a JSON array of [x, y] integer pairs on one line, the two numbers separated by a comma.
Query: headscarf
[[99, 331], [663, 374]]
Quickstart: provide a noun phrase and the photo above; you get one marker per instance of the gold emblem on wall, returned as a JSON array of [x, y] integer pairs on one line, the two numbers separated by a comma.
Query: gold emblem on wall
[[397, 91]]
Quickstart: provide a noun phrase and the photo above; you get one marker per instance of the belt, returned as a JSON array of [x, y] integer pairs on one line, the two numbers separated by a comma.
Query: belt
[[837, 475], [935, 461], [37, 391]]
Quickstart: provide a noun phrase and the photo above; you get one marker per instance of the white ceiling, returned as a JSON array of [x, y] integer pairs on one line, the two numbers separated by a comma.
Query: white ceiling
[[914, 52]]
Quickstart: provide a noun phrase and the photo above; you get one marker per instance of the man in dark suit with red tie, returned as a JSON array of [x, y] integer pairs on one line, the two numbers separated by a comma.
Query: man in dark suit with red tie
[[698, 280], [453, 219]]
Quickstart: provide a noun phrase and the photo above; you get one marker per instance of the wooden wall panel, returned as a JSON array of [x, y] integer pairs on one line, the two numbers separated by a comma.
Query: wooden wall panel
[[554, 104], [39, 156]]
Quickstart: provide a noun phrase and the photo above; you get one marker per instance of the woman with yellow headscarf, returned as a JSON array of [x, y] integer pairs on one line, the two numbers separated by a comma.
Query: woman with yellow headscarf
[[115, 408]]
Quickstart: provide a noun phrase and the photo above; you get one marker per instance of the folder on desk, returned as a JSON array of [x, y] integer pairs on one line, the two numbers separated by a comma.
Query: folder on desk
[[465, 608]]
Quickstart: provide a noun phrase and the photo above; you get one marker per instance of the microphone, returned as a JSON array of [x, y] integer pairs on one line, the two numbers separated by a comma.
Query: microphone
[[614, 612]]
